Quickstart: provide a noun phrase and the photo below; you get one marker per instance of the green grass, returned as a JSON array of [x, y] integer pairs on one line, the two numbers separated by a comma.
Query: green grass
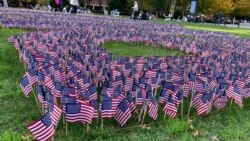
[[17, 111], [134, 49], [209, 27], [206, 26]]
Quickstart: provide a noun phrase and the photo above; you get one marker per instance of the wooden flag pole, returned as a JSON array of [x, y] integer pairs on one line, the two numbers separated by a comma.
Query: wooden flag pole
[[231, 102], [145, 112], [66, 128], [102, 124], [190, 105], [139, 117], [38, 105], [182, 108], [88, 129], [63, 118]]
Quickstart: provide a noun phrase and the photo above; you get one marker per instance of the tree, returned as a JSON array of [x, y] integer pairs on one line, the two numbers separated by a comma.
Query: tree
[[122, 6], [159, 6], [225, 6], [242, 8]]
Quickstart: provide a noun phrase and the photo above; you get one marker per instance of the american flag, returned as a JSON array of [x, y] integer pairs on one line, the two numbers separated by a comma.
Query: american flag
[[128, 84], [123, 113], [170, 108], [92, 92], [186, 90], [237, 96], [139, 67], [48, 82], [179, 98], [221, 100], [55, 113], [84, 82], [211, 83], [240, 83], [68, 99], [69, 91], [79, 112], [176, 76], [199, 86], [41, 93], [106, 107], [32, 75], [153, 108], [151, 74], [116, 99], [163, 96], [58, 89], [94, 103], [25, 85], [202, 105], [139, 98], [131, 104], [43, 129]]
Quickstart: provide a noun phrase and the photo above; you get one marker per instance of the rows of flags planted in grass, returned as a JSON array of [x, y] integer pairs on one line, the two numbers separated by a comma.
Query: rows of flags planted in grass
[[72, 77]]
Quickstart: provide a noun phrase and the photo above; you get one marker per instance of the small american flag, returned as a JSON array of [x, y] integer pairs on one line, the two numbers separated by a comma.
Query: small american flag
[[221, 100], [131, 104], [123, 113], [92, 92], [202, 105], [25, 85], [170, 108], [94, 103], [79, 112], [151, 74], [153, 108], [55, 113], [106, 107], [32, 75], [43, 129], [139, 98], [186, 90]]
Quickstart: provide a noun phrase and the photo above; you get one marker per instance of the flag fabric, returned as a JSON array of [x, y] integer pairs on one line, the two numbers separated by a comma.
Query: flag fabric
[[92, 92], [25, 85], [153, 108], [79, 112], [123, 113], [55, 113], [170, 108], [106, 107], [42, 129]]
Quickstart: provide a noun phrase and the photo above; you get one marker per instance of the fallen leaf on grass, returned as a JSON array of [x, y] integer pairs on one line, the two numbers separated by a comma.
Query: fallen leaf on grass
[[198, 133], [26, 136], [190, 124], [214, 138], [144, 126]]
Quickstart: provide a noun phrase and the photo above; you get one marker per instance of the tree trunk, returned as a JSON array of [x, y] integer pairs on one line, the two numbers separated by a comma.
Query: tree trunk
[[184, 8], [20, 4], [100, 2]]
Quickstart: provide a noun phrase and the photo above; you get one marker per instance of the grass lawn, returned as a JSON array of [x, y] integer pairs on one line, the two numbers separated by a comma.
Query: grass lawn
[[17, 111], [210, 27], [206, 26], [135, 49]]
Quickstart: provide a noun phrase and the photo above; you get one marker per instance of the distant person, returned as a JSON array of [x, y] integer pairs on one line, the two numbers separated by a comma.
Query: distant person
[[135, 9], [74, 4], [5, 3], [58, 5]]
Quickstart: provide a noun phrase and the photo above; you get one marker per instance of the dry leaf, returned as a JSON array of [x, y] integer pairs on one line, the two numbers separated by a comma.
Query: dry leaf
[[26, 136], [191, 127], [214, 138], [190, 121], [198, 133]]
